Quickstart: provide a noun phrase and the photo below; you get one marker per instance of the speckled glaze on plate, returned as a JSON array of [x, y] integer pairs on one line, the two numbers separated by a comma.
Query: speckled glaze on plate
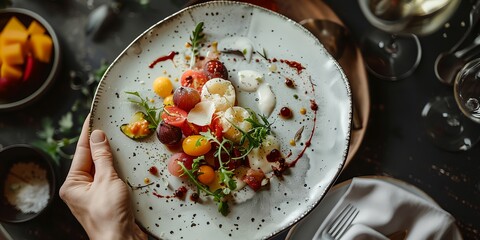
[[253, 215]]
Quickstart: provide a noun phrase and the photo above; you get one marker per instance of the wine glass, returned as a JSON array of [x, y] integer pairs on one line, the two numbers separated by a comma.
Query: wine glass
[[394, 52], [453, 123], [466, 90]]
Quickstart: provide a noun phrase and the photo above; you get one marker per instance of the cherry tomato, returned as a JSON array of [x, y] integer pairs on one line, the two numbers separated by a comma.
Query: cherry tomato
[[174, 116], [174, 168], [193, 79], [196, 145], [215, 69], [168, 101], [162, 86], [189, 129], [216, 127], [206, 175]]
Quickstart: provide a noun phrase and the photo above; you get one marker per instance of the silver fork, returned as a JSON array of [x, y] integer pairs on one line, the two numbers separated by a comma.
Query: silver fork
[[341, 223]]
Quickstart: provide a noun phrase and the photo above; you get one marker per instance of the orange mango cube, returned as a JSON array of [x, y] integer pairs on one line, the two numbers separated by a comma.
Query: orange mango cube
[[12, 54], [10, 72], [15, 24], [13, 36], [35, 28], [41, 46]]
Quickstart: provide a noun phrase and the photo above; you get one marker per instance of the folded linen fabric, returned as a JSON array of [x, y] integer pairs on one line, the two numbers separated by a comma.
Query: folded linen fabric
[[387, 208]]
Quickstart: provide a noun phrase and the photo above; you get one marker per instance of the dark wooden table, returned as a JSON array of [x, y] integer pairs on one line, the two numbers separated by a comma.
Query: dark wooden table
[[396, 143]]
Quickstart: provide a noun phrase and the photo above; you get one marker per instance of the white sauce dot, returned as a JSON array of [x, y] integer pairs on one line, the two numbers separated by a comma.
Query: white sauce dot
[[249, 80], [266, 99]]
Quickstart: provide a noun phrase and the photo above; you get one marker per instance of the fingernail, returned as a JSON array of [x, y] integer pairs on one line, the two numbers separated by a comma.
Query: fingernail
[[97, 136]]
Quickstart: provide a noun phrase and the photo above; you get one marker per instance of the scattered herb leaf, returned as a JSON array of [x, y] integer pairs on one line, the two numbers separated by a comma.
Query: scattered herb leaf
[[195, 39], [66, 123], [298, 134], [263, 54], [53, 147]]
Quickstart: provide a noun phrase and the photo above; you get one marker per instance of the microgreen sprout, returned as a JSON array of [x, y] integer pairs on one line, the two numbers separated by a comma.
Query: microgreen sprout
[[152, 113], [255, 136]]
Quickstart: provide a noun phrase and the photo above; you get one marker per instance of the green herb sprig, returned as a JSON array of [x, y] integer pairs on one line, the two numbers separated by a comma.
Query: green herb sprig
[[255, 136], [218, 195], [53, 146], [226, 176], [195, 39], [152, 113]]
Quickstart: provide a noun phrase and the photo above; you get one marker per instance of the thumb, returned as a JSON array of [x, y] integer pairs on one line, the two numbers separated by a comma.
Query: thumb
[[101, 154]]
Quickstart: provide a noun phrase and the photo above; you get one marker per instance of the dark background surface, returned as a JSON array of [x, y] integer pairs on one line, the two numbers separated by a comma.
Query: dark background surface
[[396, 143]]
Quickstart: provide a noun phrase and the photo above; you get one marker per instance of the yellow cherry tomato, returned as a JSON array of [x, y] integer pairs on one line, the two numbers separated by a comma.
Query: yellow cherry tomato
[[162, 86], [196, 145], [206, 174], [168, 101]]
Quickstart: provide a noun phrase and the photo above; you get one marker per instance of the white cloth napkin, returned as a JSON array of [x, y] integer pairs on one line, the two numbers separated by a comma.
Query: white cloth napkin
[[385, 208]]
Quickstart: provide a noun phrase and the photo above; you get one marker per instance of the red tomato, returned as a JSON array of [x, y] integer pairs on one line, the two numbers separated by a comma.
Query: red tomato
[[194, 79], [254, 178], [189, 129], [216, 127], [174, 116]]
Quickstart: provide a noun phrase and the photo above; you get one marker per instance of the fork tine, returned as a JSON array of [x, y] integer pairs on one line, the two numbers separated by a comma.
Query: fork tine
[[346, 222], [338, 219]]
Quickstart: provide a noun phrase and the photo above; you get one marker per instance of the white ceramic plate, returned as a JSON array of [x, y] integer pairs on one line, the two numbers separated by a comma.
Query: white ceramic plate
[[308, 226], [283, 202]]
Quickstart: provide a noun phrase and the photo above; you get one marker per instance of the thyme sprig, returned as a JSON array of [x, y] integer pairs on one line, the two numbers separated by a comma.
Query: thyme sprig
[[152, 113], [195, 39]]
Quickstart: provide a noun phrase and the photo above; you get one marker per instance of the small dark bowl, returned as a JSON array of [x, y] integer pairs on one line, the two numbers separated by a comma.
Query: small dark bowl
[[45, 74], [23, 153]]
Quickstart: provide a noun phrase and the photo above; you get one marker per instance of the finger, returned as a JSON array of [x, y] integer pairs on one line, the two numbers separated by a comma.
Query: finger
[[82, 161], [101, 154]]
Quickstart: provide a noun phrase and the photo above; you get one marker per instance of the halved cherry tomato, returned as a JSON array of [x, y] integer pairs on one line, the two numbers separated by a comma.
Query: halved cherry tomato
[[174, 116], [194, 79]]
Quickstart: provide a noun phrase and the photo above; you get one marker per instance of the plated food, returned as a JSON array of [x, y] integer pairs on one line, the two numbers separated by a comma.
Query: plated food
[[235, 96]]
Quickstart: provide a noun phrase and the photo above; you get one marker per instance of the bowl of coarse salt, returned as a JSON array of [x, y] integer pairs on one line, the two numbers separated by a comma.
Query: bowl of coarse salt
[[27, 183]]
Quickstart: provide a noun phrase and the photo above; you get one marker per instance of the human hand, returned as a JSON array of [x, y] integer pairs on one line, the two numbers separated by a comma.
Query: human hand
[[94, 193]]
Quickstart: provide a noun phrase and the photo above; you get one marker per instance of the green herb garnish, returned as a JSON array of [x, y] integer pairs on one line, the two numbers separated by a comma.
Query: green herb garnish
[[152, 113], [263, 54], [218, 195], [255, 136], [195, 39], [50, 144], [226, 146]]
